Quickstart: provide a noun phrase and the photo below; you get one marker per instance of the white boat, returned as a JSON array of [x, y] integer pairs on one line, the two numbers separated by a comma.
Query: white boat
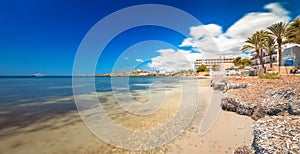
[[38, 75]]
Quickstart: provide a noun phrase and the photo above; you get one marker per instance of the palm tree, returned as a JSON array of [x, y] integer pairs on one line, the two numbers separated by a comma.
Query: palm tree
[[270, 46], [256, 42], [294, 29], [280, 32]]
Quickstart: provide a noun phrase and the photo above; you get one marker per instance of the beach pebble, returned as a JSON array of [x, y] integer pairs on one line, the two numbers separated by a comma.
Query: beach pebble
[[243, 150]]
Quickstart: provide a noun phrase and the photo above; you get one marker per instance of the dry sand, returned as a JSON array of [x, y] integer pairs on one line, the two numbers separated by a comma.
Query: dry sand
[[229, 132], [68, 134]]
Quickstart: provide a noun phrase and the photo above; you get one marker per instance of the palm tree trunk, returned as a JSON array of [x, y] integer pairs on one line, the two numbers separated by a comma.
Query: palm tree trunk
[[279, 53], [262, 64], [261, 59], [271, 62]]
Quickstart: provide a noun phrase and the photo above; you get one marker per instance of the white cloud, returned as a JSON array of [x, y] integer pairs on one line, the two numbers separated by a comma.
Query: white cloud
[[210, 40], [171, 60], [126, 58], [276, 9], [255, 21], [206, 30], [139, 60]]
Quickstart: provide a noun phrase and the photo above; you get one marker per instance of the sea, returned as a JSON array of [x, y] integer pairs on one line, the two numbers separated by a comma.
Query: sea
[[24, 99], [41, 114]]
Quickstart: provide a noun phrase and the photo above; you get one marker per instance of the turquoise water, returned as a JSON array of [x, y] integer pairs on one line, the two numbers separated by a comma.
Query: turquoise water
[[25, 100]]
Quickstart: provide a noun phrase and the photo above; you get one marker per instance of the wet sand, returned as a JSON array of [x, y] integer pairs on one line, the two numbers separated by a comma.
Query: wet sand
[[67, 133]]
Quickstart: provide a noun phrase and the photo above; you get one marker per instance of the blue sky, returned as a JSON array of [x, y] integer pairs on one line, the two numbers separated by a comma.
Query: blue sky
[[44, 35]]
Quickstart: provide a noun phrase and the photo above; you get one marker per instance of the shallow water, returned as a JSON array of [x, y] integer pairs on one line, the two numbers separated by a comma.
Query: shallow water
[[24, 100], [39, 115]]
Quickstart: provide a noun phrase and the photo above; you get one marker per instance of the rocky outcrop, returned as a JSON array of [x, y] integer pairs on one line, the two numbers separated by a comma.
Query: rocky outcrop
[[277, 134], [277, 101], [223, 85], [237, 86], [243, 150], [277, 110], [234, 105], [219, 84]]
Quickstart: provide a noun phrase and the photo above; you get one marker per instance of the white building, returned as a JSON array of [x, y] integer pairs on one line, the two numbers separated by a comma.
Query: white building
[[266, 57], [222, 63], [291, 54]]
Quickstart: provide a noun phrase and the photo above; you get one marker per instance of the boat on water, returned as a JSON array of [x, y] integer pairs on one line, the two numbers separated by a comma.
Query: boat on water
[[38, 75]]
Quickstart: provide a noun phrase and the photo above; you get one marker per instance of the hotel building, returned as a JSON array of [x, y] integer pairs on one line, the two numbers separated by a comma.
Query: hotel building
[[290, 57], [266, 57], [222, 63]]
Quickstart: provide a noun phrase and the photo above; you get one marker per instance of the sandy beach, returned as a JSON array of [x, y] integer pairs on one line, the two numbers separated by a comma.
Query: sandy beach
[[67, 133], [229, 132]]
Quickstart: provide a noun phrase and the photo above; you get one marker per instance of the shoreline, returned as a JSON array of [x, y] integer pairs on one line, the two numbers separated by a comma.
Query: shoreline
[[68, 134]]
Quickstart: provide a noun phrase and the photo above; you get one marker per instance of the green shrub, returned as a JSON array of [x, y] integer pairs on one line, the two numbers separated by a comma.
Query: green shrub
[[242, 62], [202, 68], [269, 76]]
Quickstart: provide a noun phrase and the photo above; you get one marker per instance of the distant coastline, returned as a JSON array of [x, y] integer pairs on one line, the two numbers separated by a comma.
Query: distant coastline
[[183, 73]]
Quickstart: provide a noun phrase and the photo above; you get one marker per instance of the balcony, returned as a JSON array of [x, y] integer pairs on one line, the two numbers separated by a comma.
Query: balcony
[[273, 55], [254, 57]]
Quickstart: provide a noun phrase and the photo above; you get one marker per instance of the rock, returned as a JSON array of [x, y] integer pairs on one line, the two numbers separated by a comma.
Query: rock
[[241, 86], [223, 85], [258, 113], [237, 86], [245, 109], [234, 105], [294, 107], [277, 134], [244, 150], [232, 86], [257, 88], [277, 101], [276, 129], [228, 104], [219, 86]]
